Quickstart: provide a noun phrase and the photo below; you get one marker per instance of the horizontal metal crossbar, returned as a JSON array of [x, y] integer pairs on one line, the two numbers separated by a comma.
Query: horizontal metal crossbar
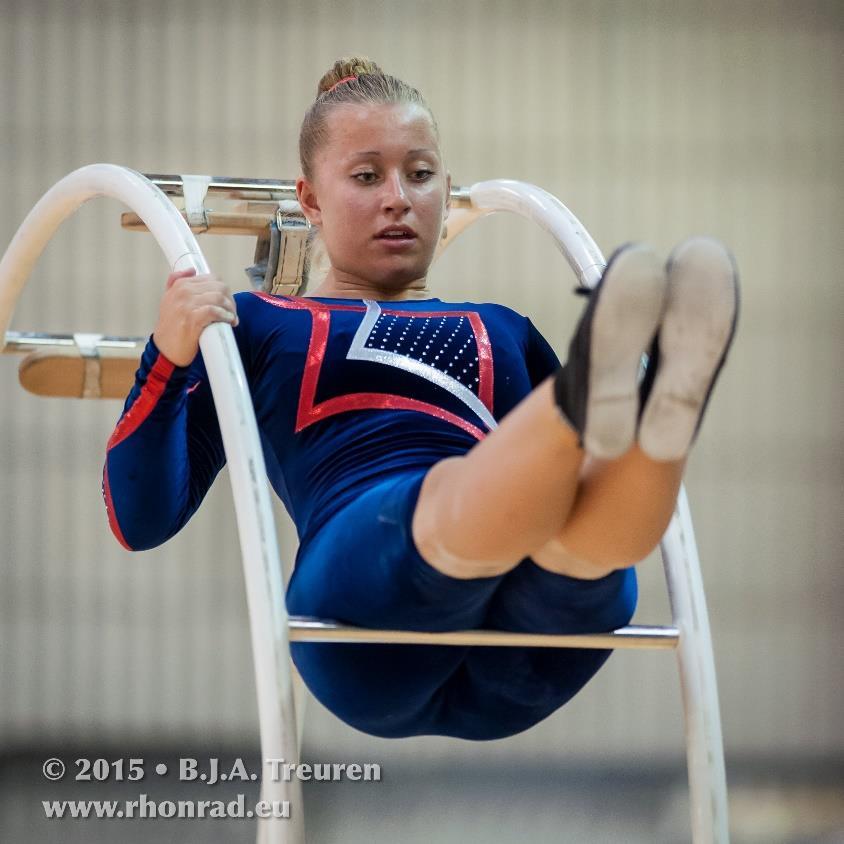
[[304, 629], [17, 342]]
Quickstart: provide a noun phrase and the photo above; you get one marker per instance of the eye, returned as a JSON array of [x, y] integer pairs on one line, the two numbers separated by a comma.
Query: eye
[[364, 177], [422, 175]]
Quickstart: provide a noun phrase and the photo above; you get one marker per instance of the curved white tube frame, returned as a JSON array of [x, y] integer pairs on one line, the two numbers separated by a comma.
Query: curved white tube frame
[[262, 569], [549, 213], [696, 662]]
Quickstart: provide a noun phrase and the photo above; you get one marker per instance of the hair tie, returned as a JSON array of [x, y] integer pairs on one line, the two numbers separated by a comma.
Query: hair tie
[[340, 82]]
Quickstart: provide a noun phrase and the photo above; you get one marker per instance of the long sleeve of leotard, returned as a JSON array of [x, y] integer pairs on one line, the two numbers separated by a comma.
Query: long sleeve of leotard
[[164, 453]]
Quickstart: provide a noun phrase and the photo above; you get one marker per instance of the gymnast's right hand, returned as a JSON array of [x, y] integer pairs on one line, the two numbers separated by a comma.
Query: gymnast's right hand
[[190, 303]]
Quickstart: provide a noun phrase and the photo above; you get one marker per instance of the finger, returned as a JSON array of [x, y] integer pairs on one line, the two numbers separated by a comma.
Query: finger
[[214, 313], [202, 284], [221, 297], [205, 283], [225, 315], [175, 276]]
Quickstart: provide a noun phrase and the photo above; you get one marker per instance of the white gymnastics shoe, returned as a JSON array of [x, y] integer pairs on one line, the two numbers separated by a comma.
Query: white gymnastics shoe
[[691, 346]]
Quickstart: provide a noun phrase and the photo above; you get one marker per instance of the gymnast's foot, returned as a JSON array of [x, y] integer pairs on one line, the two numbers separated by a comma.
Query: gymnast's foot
[[691, 346], [596, 389]]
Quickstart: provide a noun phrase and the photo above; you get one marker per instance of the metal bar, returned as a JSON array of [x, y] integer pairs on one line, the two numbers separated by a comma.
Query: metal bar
[[21, 342], [216, 222], [273, 188], [303, 629]]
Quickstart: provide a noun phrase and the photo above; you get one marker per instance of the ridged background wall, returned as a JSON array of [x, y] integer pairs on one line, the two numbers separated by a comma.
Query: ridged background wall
[[650, 120]]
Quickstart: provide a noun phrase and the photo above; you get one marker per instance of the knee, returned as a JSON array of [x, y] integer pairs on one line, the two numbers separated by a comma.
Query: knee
[[589, 564], [454, 561], [630, 551], [449, 553]]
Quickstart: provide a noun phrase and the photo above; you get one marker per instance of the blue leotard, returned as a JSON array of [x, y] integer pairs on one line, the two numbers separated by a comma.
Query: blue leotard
[[355, 400]]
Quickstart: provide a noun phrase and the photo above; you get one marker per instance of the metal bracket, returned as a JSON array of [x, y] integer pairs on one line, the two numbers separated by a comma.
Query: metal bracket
[[194, 190]]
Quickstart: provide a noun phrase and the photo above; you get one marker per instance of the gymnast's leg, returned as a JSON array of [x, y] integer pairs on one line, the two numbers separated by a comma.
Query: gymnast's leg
[[622, 507], [481, 513]]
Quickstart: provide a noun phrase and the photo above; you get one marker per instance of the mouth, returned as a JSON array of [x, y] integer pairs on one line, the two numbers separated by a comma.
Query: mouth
[[396, 234]]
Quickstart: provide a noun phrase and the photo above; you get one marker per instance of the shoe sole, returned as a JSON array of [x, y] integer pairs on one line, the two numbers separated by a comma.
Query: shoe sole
[[626, 318], [694, 337]]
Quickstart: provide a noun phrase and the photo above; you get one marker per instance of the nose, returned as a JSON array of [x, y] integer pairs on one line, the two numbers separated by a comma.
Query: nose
[[394, 197]]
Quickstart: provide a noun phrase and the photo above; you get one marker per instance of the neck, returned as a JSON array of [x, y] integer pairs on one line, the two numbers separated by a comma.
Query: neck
[[345, 288]]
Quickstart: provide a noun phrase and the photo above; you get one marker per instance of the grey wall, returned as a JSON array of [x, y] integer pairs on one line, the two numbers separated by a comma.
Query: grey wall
[[649, 119]]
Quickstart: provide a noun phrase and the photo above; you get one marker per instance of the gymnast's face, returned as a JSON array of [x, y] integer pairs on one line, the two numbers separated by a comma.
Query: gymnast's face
[[379, 167]]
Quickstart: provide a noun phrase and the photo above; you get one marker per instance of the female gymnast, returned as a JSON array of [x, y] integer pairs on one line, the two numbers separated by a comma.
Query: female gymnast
[[443, 470]]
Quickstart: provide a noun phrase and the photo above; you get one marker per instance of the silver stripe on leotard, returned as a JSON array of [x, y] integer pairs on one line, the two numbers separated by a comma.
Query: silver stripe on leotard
[[359, 351]]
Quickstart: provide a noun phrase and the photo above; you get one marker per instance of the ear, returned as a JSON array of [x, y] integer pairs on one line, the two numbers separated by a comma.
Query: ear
[[308, 201], [447, 195]]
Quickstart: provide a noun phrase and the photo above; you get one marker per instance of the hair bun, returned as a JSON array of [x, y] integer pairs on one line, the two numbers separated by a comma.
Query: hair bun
[[354, 66]]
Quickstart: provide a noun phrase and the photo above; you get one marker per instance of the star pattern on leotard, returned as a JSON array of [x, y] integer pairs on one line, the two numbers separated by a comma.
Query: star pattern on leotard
[[431, 340]]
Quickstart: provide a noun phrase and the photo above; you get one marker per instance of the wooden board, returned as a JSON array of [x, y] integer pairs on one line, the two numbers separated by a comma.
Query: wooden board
[[62, 372]]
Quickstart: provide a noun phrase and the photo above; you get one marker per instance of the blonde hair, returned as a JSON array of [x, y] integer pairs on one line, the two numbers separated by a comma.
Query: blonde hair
[[369, 85]]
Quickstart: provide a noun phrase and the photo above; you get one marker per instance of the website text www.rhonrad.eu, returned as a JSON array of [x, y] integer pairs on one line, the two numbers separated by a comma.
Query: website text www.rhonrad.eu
[[144, 807]]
